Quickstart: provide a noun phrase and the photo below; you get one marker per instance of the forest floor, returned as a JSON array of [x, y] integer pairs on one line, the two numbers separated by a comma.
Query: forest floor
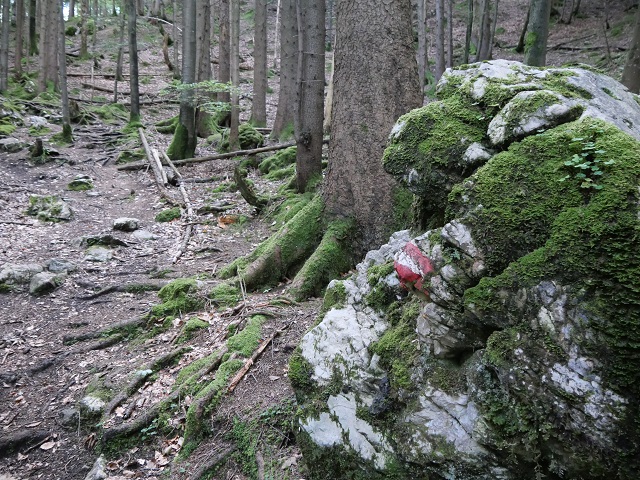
[[43, 376]]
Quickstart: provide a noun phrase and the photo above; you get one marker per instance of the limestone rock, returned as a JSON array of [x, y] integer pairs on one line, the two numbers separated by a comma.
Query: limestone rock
[[98, 471], [98, 253], [60, 265], [45, 282], [19, 273], [126, 224], [81, 182], [502, 341], [69, 417], [144, 235], [11, 145], [49, 208], [92, 405]]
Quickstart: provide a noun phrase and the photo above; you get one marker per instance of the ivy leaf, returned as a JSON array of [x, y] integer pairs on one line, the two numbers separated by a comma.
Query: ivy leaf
[[609, 162], [581, 175]]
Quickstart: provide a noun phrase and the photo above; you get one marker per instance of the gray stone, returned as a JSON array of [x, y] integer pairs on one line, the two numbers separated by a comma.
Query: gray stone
[[98, 471], [49, 208], [69, 417], [144, 235], [126, 224], [19, 273], [98, 253], [104, 239], [11, 145], [37, 122], [60, 265], [92, 405], [45, 282], [81, 182]]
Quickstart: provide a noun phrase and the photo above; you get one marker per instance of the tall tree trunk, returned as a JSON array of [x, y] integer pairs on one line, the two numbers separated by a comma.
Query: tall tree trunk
[[33, 32], [48, 46], [119, 58], [176, 69], [67, 133], [535, 49], [421, 54], [259, 103], [203, 59], [523, 33], [310, 91], [375, 82], [449, 33], [484, 36], [224, 51], [84, 30], [440, 60], [134, 113], [276, 42], [288, 67], [234, 23], [72, 9], [19, 37], [467, 38], [187, 107], [4, 46], [631, 73]]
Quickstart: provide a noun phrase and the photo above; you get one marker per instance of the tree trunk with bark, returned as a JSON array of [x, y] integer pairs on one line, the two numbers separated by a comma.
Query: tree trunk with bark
[[310, 92], [203, 59], [84, 30], [259, 102], [288, 66], [234, 23], [440, 59], [72, 9], [185, 138], [33, 33], [375, 82], [134, 113], [631, 73], [176, 68], [19, 37], [48, 47], [224, 58], [535, 48], [449, 33], [421, 54], [67, 133], [469, 32], [4, 46]]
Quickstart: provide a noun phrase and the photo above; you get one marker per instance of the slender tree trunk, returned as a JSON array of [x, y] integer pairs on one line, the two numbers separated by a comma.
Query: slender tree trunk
[[467, 38], [203, 59], [234, 21], [119, 58], [422, 43], [450, 33], [176, 69], [72, 9], [310, 91], [535, 50], [67, 133], [33, 33], [259, 103], [484, 45], [224, 51], [4, 46], [375, 82], [96, 18], [631, 73], [48, 46], [187, 107], [523, 34], [288, 66], [84, 14], [440, 59], [19, 37], [276, 43], [134, 113]]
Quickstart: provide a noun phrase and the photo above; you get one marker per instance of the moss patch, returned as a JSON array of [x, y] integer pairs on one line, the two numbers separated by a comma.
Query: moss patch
[[190, 329], [247, 340], [225, 295], [168, 214], [178, 297]]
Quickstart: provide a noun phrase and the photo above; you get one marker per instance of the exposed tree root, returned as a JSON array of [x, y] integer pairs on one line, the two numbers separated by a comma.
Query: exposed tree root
[[11, 442], [212, 462], [135, 287], [106, 331], [246, 188]]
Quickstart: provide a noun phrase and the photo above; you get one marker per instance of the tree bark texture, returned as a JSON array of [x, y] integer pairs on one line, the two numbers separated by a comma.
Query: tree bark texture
[[72, 9], [469, 32], [203, 58], [84, 14], [187, 107], [19, 37], [440, 60], [421, 54], [535, 44], [449, 33], [631, 73], [33, 33], [134, 113], [375, 82], [309, 111], [234, 23], [224, 50], [176, 68], [4, 45], [259, 102], [288, 67], [62, 69], [48, 46]]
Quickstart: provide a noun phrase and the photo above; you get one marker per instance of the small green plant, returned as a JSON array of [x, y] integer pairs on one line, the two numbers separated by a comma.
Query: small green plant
[[168, 215], [586, 165], [149, 431]]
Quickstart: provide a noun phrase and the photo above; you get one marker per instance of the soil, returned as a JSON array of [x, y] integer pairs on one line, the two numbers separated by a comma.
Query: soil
[[41, 375]]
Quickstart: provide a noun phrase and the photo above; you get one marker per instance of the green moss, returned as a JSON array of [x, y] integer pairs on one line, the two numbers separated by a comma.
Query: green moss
[[126, 156], [168, 125], [112, 113], [300, 371], [188, 378], [279, 160], [225, 295], [334, 297], [168, 215], [6, 129], [248, 138], [178, 297], [79, 185], [190, 328], [247, 340], [131, 128]]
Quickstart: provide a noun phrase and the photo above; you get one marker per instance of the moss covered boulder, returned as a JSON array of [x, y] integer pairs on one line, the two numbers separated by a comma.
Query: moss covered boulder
[[503, 341]]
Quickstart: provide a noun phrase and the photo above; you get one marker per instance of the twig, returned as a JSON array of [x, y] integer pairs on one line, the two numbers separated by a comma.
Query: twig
[[247, 365], [260, 463], [164, 193], [9, 222], [558, 45], [163, 174]]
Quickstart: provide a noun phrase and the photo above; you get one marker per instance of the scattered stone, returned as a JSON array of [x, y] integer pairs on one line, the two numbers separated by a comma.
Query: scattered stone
[[104, 239], [98, 471], [144, 235], [60, 265], [49, 208], [81, 183], [69, 417], [37, 122], [11, 145], [92, 405], [98, 253], [19, 273], [126, 224], [45, 282]]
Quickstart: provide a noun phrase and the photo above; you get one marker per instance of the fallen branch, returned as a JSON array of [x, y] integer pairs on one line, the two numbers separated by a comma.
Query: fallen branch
[[127, 288], [101, 89], [185, 198], [220, 156], [212, 463], [246, 190], [9, 222], [247, 365], [164, 193]]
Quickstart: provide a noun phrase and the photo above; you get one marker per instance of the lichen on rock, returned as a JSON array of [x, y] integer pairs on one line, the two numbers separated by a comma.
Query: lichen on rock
[[506, 344]]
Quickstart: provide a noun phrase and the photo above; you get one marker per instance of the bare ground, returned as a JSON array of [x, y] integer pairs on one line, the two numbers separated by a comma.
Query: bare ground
[[41, 375]]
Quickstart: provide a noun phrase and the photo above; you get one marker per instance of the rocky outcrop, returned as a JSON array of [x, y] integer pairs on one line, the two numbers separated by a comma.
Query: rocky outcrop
[[504, 341]]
